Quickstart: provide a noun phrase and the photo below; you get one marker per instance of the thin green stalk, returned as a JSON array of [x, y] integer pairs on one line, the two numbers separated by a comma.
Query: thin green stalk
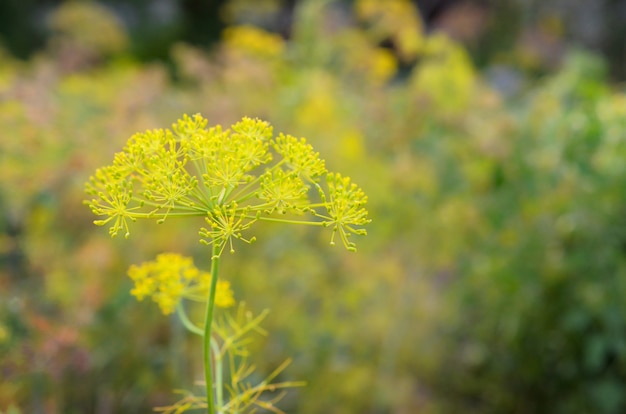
[[280, 220], [245, 188], [208, 322], [219, 381], [186, 322]]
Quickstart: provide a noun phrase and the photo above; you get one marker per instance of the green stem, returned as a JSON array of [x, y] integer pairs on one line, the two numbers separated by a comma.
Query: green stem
[[279, 220], [186, 322], [219, 385], [208, 322]]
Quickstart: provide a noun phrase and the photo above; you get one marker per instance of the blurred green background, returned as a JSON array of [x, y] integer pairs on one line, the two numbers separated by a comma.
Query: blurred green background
[[490, 138]]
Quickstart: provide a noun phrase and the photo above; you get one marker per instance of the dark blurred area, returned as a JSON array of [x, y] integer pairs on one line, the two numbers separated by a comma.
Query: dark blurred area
[[153, 25], [541, 29]]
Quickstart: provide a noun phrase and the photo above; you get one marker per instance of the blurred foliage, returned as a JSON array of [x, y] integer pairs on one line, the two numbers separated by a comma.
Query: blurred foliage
[[491, 281], [84, 34]]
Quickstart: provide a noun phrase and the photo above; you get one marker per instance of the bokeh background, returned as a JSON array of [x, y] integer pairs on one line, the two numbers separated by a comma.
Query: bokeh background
[[490, 137]]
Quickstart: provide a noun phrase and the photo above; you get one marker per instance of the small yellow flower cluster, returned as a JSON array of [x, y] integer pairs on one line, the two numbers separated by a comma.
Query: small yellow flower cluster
[[346, 201], [231, 177], [172, 277]]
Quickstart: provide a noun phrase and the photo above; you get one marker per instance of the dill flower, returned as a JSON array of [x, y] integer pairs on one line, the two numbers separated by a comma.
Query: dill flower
[[226, 223], [231, 177], [300, 156], [283, 191], [171, 277], [114, 195], [345, 209]]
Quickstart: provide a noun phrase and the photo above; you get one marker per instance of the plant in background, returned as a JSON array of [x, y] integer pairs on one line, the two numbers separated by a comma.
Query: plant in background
[[232, 178]]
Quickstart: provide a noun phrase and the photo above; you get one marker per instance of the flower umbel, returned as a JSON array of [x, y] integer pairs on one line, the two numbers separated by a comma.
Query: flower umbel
[[114, 195], [172, 277], [232, 177], [227, 222], [345, 209]]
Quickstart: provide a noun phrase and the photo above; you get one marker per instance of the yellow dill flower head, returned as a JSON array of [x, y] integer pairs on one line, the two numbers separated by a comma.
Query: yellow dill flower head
[[283, 191], [115, 193], [345, 208], [231, 177], [172, 277], [300, 156]]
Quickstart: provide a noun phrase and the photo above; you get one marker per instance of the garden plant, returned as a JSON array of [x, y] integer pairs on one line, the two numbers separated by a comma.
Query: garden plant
[[232, 178]]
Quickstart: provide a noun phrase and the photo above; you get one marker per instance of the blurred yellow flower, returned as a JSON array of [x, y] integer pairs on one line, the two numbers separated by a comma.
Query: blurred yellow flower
[[383, 65], [4, 334], [318, 106], [361, 56], [172, 277], [395, 19], [253, 41], [224, 295]]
